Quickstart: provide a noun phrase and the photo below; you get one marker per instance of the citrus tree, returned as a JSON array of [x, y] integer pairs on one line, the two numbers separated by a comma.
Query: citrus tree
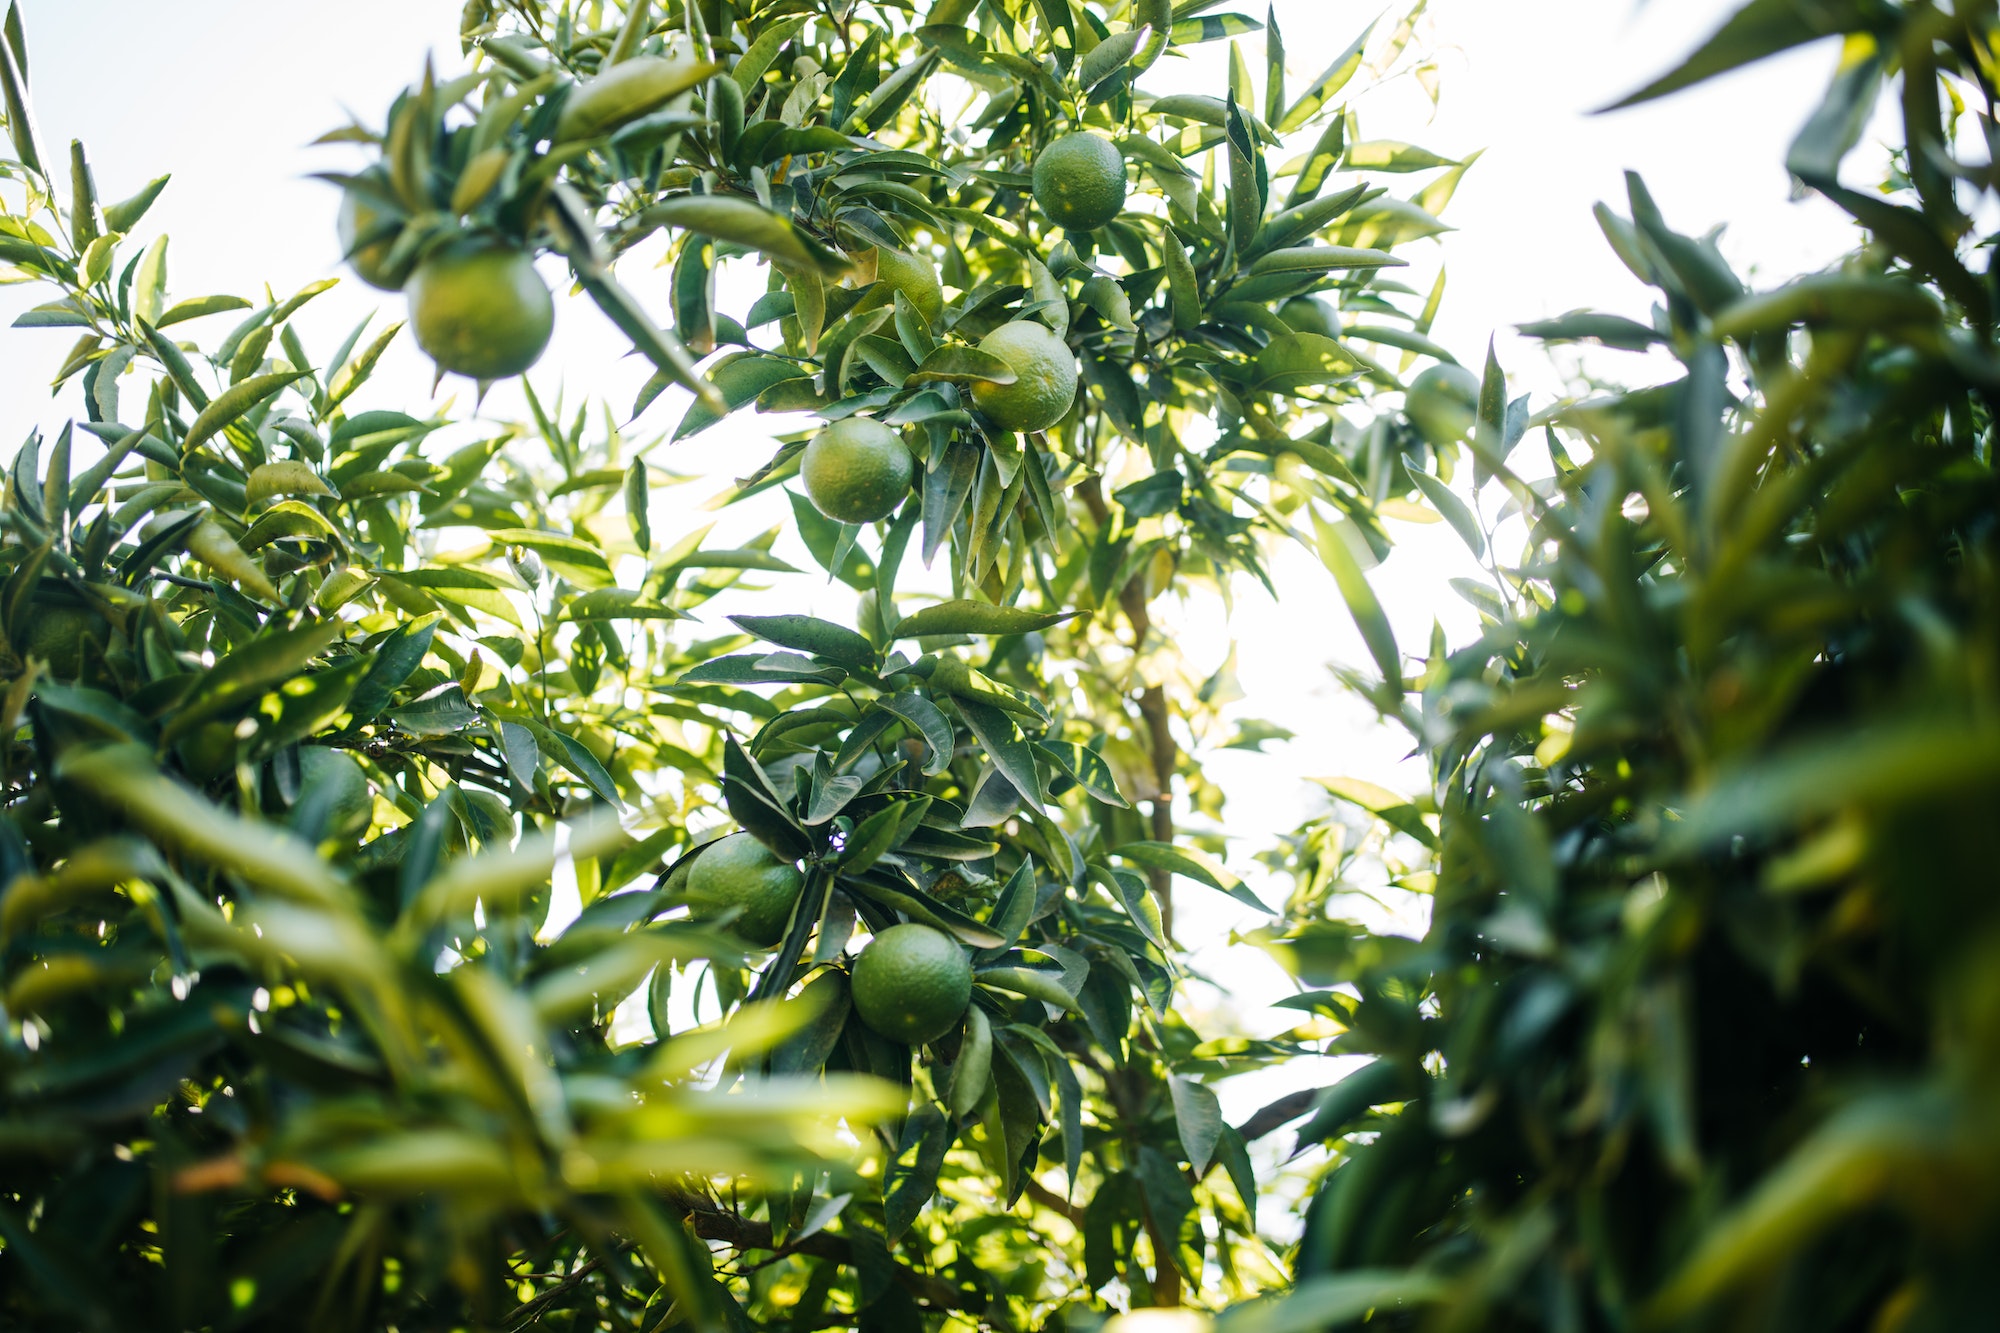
[[1704, 1032], [312, 704]]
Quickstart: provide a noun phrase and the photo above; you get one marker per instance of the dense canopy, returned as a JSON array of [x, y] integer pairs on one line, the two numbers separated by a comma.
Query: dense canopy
[[317, 711]]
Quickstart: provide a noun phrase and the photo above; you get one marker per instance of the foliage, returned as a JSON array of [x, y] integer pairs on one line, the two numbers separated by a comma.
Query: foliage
[[1705, 1032], [263, 1068]]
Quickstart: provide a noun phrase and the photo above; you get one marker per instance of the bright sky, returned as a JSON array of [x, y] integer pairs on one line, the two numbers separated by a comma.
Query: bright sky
[[226, 94]]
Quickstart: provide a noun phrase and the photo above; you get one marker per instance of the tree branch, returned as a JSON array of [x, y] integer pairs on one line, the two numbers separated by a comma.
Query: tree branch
[[1153, 710]]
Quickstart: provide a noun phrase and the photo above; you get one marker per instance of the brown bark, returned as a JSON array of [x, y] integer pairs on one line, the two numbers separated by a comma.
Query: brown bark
[[1153, 711]]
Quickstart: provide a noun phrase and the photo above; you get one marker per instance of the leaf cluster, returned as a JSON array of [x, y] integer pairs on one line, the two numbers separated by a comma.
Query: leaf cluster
[[1702, 1031]]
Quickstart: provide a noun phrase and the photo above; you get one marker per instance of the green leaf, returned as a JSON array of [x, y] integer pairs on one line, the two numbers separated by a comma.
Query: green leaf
[[1327, 85], [1307, 218], [1185, 287], [1400, 338], [1849, 1164], [879, 834], [1086, 768], [920, 906], [743, 222], [349, 375], [958, 45], [962, 616], [756, 60], [20, 117], [1827, 300], [199, 306], [1391, 155], [1318, 163], [233, 402], [638, 502], [1589, 326], [1325, 259], [1198, 1114], [501, 877], [1339, 1106], [1005, 746], [1387, 222], [182, 819], [570, 556], [1456, 512], [930, 723], [1109, 56], [1361, 602], [125, 214], [912, 1173], [973, 1069], [440, 714], [1336, 1299], [762, 669], [740, 378], [821, 638], [1192, 863], [962, 365], [1759, 29], [399, 655], [618, 604], [1293, 361], [1246, 177], [1045, 987], [1104, 294], [1894, 762], [287, 519], [887, 357]]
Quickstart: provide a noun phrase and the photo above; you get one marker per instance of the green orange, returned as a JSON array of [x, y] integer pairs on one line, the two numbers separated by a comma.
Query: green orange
[[1309, 314], [57, 632], [1443, 403], [370, 262], [915, 276], [912, 983], [1080, 181], [1044, 377], [857, 471], [740, 871], [480, 309]]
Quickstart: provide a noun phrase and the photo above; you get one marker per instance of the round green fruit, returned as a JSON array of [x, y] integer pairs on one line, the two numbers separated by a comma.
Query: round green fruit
[[480, 309], [912, 983], [740, 871], [915, 276], [1443, 403], [59, 634], [370, 262], [1080, 181], [1044, 377], [857, 471], [208, 751], [628, 90], [1309, 314]]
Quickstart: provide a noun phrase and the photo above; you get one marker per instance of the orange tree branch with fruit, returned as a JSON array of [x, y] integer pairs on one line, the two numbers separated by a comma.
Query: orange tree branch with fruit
[[291, 782]]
